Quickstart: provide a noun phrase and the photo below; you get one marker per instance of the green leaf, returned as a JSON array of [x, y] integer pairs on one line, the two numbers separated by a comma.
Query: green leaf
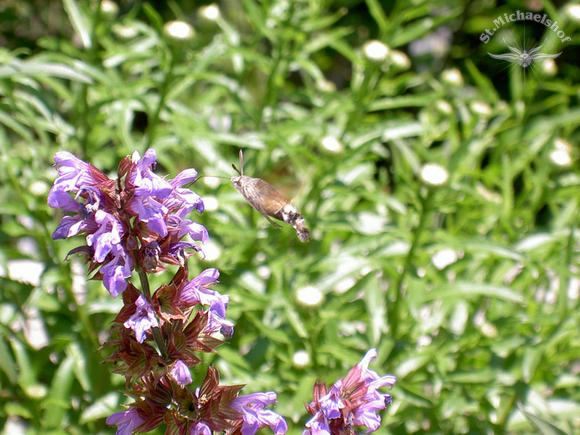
[[58, 401], [543, 426], [468, 289], [79, 20]]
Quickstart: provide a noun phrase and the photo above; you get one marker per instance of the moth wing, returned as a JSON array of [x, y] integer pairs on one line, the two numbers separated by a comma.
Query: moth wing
[[271, 221], [264, 198]]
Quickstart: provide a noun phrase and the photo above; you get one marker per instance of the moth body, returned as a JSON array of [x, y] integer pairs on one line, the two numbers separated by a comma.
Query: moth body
[[264, 198]]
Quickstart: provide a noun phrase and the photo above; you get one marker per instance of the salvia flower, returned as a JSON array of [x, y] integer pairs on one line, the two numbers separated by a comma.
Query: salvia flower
[[137, 220], [136, 223], [352, 402]]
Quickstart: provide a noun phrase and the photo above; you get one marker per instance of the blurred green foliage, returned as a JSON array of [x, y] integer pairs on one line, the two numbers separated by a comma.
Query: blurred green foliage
[[469, 290]]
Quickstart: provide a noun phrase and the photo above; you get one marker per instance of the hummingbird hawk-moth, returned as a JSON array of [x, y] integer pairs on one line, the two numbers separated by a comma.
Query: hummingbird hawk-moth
[[264, 198]]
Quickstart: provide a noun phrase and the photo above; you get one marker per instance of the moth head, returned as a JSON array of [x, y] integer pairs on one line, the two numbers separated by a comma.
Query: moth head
[[237, 182]]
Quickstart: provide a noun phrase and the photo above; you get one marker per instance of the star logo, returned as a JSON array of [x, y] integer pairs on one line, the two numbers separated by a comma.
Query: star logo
[[524, 57]]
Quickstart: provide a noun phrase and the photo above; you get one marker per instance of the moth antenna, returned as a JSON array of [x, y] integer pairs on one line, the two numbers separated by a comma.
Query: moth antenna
[[241, 163], [210, 176], [236, 169]]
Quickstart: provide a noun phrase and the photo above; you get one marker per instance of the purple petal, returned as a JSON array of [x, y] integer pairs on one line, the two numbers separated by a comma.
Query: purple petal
[[142, 320], [146, 182], [184, 177], [317, 425], [73, 173], [69, 226], [196, 231], [58, 198], [255, 416], [151, 211], [200, 429], [196, 292], [181, 373], [107, 238], [126, 421], [115, 274]]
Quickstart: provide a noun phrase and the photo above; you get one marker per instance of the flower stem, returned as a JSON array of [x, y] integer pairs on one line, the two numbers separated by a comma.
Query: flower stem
[[156, 331], [394, 314]]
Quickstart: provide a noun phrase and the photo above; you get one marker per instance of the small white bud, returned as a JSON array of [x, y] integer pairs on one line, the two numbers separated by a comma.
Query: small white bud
[[109, 8], [309, 296], [332, 144], [549, 67], [210, 12], [301, 358], [560, 154], [400, 60], [179, 30], [444, 258], [452, 76], [444, 107], [434, 174], [481, 108], [375, 51], [574, 11]]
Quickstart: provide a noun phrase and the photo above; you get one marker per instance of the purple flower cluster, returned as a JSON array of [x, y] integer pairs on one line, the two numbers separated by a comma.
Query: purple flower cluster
[[352, 402], [137, 223], [104, 210]]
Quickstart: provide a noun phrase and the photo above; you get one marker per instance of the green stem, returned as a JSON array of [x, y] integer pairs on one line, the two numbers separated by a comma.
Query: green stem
[[151, 129], [565, 273], [146, 290], [394, 314], [84, 108]]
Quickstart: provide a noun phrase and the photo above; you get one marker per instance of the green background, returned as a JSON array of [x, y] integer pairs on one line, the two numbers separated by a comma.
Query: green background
[[488, 343]]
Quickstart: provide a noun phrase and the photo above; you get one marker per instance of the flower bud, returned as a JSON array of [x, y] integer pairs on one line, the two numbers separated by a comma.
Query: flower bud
[[179, 31], [210, 12], [434, 174], [549, 67], [452, 77], [400, 60], [332, 144], [109, 9], [309, 296], [560, 153], [376, 51], [480, 108], [573, 11]]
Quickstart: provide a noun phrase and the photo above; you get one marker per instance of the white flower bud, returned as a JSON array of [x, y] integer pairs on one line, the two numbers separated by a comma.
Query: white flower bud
[[179, 30], [434, 174], [375, 51]]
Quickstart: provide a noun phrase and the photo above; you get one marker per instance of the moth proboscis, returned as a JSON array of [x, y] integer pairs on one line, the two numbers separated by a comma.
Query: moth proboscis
[[264, 198]]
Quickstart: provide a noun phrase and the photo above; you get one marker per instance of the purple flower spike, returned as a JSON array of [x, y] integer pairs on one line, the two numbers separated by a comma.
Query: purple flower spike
[[180, 372], [142, 320], [350, 403], [255, 416], [126, 421]]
